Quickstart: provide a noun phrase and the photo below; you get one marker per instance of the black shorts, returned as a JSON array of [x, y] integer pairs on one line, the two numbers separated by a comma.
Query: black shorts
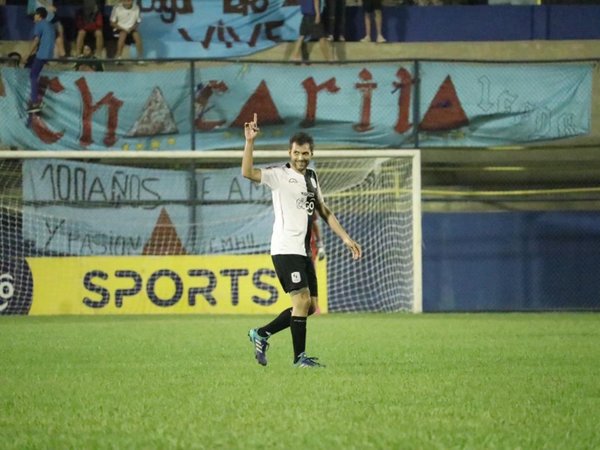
[[371, 5], [296, 272], [310, 30]]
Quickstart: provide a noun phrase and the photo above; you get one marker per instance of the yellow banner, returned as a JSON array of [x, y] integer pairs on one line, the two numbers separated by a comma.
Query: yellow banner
[[230, 284]]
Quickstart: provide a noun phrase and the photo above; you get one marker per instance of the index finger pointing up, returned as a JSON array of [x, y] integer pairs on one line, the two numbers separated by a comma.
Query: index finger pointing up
[[255, 119]]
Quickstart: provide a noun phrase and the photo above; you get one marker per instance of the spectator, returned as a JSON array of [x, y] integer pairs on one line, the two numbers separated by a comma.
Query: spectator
[[14, 59], [311, 28], [92, 64], [48, 5], [125, 19], [42, 47], [89, 20], [372, 7], [335, 14]]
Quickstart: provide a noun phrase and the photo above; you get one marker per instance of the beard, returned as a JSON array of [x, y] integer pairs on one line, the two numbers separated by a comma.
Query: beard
[[300, 165]]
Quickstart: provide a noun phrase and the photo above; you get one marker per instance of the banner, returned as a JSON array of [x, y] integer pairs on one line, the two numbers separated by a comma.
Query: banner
[[216, 28], [367, 105], [161, 285], [76, 208]]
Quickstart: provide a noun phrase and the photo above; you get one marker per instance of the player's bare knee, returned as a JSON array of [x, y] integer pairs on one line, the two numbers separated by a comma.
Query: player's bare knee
[[302, 292], [301, 299]]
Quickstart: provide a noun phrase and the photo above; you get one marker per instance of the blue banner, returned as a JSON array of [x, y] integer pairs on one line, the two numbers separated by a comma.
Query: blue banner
[[216, 28], [353, 106], [84, 209]]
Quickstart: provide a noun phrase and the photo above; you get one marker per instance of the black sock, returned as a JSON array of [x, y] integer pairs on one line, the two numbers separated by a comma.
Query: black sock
[[281, 322], [298, 326]]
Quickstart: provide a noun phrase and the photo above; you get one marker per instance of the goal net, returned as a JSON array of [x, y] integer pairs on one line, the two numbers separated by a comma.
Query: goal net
[[72, 223]]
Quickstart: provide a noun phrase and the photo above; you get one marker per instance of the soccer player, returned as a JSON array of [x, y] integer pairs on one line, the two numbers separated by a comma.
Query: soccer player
[[296, 198]]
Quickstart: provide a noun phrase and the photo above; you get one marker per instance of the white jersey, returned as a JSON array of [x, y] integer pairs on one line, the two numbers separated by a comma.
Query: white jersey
[[124, 17], [295, 197]]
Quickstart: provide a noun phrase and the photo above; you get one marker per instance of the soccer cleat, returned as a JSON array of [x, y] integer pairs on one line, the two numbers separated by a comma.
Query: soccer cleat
[[307, 361], [260, 346], [381, 39]]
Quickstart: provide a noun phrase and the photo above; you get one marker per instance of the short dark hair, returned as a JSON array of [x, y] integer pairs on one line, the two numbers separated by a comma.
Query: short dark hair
[[302, 138], [14, 55], [42, 12]]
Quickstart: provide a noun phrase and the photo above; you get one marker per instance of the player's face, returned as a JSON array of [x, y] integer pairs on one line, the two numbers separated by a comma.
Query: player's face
[[300, 156]]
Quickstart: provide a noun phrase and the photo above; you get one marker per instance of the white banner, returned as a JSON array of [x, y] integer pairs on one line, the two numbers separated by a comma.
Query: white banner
[[74, 208]]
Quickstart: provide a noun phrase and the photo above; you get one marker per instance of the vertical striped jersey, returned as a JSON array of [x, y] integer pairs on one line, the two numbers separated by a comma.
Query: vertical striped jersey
[[295, 200]]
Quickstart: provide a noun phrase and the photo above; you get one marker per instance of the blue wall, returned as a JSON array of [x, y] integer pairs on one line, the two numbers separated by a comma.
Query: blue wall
[[511, 261], [482, 23], [417, 23]]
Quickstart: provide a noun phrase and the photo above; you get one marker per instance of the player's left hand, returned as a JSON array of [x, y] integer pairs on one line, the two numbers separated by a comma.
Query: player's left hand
[[321, 253], [354, 247]]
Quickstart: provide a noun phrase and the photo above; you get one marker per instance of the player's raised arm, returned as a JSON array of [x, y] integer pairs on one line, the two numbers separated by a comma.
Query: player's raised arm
[[248, 169], [337, 228]]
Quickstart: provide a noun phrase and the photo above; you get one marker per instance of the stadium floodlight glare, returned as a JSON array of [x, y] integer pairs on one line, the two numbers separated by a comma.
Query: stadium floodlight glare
[[376, 195]]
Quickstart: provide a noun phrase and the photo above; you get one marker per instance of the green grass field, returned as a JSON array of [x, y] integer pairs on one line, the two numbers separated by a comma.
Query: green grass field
[[395, 381]]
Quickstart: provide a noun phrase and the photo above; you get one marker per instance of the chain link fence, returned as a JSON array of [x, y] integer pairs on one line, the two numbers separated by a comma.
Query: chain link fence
[[509, 224]]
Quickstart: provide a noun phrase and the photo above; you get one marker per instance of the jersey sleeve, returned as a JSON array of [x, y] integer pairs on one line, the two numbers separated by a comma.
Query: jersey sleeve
[[269, 177]]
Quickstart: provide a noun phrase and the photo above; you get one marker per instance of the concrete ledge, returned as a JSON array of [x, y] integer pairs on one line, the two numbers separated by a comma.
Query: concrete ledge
[[357, 51]]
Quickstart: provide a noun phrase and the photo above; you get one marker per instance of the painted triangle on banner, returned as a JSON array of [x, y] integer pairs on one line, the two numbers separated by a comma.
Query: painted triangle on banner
[[445, 111], [156, 117], [260, 102], [164, 239]]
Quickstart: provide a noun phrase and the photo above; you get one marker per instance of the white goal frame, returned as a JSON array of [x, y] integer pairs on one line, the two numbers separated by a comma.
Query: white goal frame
[[264, 156]]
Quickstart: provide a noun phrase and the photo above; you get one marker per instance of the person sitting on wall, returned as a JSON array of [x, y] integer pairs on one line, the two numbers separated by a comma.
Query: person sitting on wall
[[88, 62], [89, 20], [14, 59], [125, 19]]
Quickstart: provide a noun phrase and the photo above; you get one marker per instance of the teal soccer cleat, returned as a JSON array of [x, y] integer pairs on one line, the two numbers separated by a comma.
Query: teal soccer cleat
[[260, 346]]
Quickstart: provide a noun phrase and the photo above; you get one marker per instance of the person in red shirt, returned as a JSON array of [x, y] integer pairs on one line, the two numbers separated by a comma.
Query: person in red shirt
[[89, 20]]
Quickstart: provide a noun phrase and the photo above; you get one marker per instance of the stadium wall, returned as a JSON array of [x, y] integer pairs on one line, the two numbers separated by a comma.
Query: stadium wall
[[483, 23], [511, 261]]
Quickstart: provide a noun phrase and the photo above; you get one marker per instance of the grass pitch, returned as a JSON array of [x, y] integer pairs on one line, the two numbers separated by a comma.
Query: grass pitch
[[392, 381]]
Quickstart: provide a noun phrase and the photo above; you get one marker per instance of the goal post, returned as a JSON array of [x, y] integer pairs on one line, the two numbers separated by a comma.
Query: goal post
[[183, 232]]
